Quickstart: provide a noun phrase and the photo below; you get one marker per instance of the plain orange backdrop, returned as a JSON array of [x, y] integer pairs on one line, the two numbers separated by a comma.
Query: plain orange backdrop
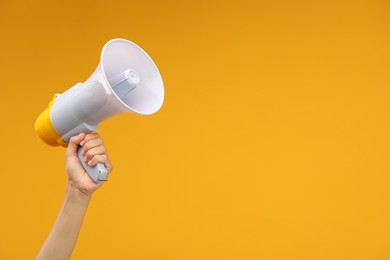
[[273, 141]]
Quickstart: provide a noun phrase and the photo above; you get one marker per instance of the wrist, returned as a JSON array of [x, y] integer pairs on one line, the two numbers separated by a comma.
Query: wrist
[[75, 192]]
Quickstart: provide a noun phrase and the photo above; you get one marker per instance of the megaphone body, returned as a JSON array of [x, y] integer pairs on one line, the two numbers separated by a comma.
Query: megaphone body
[[126, 80]]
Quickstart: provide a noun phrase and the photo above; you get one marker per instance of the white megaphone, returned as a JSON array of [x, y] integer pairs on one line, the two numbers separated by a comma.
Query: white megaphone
[[126, 80]]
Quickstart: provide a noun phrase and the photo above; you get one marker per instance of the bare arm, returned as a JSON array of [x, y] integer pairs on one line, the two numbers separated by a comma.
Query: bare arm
[[63, 237]]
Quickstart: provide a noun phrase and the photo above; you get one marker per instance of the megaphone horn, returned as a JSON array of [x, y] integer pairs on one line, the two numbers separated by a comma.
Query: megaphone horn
[[126, 80]]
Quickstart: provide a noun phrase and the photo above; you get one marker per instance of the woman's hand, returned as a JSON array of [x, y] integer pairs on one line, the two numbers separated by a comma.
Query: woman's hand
[[94, 152]]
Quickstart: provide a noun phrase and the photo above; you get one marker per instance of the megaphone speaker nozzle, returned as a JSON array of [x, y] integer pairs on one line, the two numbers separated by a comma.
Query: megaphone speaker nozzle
[[124, 82]]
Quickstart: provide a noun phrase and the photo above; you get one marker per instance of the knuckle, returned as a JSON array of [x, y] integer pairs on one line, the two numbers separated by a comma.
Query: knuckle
[[108, 166], [71, 140], [86, 147], [95, 135], [89, 154]]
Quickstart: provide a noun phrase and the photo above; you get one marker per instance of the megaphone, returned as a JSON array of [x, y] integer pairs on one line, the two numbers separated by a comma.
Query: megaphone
[[125, 81]]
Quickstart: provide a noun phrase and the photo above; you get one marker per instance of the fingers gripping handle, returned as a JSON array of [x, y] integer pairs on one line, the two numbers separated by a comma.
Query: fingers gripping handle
[[97, 173]]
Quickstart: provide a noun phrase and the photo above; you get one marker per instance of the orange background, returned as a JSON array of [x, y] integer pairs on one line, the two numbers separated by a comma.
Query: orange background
[[273, 141]]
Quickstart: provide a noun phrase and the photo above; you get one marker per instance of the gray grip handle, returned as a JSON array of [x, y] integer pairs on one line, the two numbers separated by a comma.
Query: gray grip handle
[[97, 173]]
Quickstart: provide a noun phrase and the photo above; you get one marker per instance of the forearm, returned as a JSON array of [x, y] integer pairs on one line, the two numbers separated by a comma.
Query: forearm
[[63, 237]]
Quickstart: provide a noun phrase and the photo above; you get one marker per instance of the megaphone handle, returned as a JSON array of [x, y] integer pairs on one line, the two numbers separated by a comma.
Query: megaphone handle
[[97, 173]]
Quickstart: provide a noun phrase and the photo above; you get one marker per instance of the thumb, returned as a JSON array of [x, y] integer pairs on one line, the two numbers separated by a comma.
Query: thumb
[[74, 143]]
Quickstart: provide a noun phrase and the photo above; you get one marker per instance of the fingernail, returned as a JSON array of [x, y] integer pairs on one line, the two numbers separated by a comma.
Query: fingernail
[[82, 143], [90, 163]]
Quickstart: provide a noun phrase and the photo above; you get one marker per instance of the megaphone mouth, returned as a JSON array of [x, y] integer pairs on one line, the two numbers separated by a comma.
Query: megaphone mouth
[[132, 76]]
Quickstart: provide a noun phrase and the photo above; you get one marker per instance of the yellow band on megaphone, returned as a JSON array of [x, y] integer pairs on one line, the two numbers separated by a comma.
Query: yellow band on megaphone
[[45, 129]]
